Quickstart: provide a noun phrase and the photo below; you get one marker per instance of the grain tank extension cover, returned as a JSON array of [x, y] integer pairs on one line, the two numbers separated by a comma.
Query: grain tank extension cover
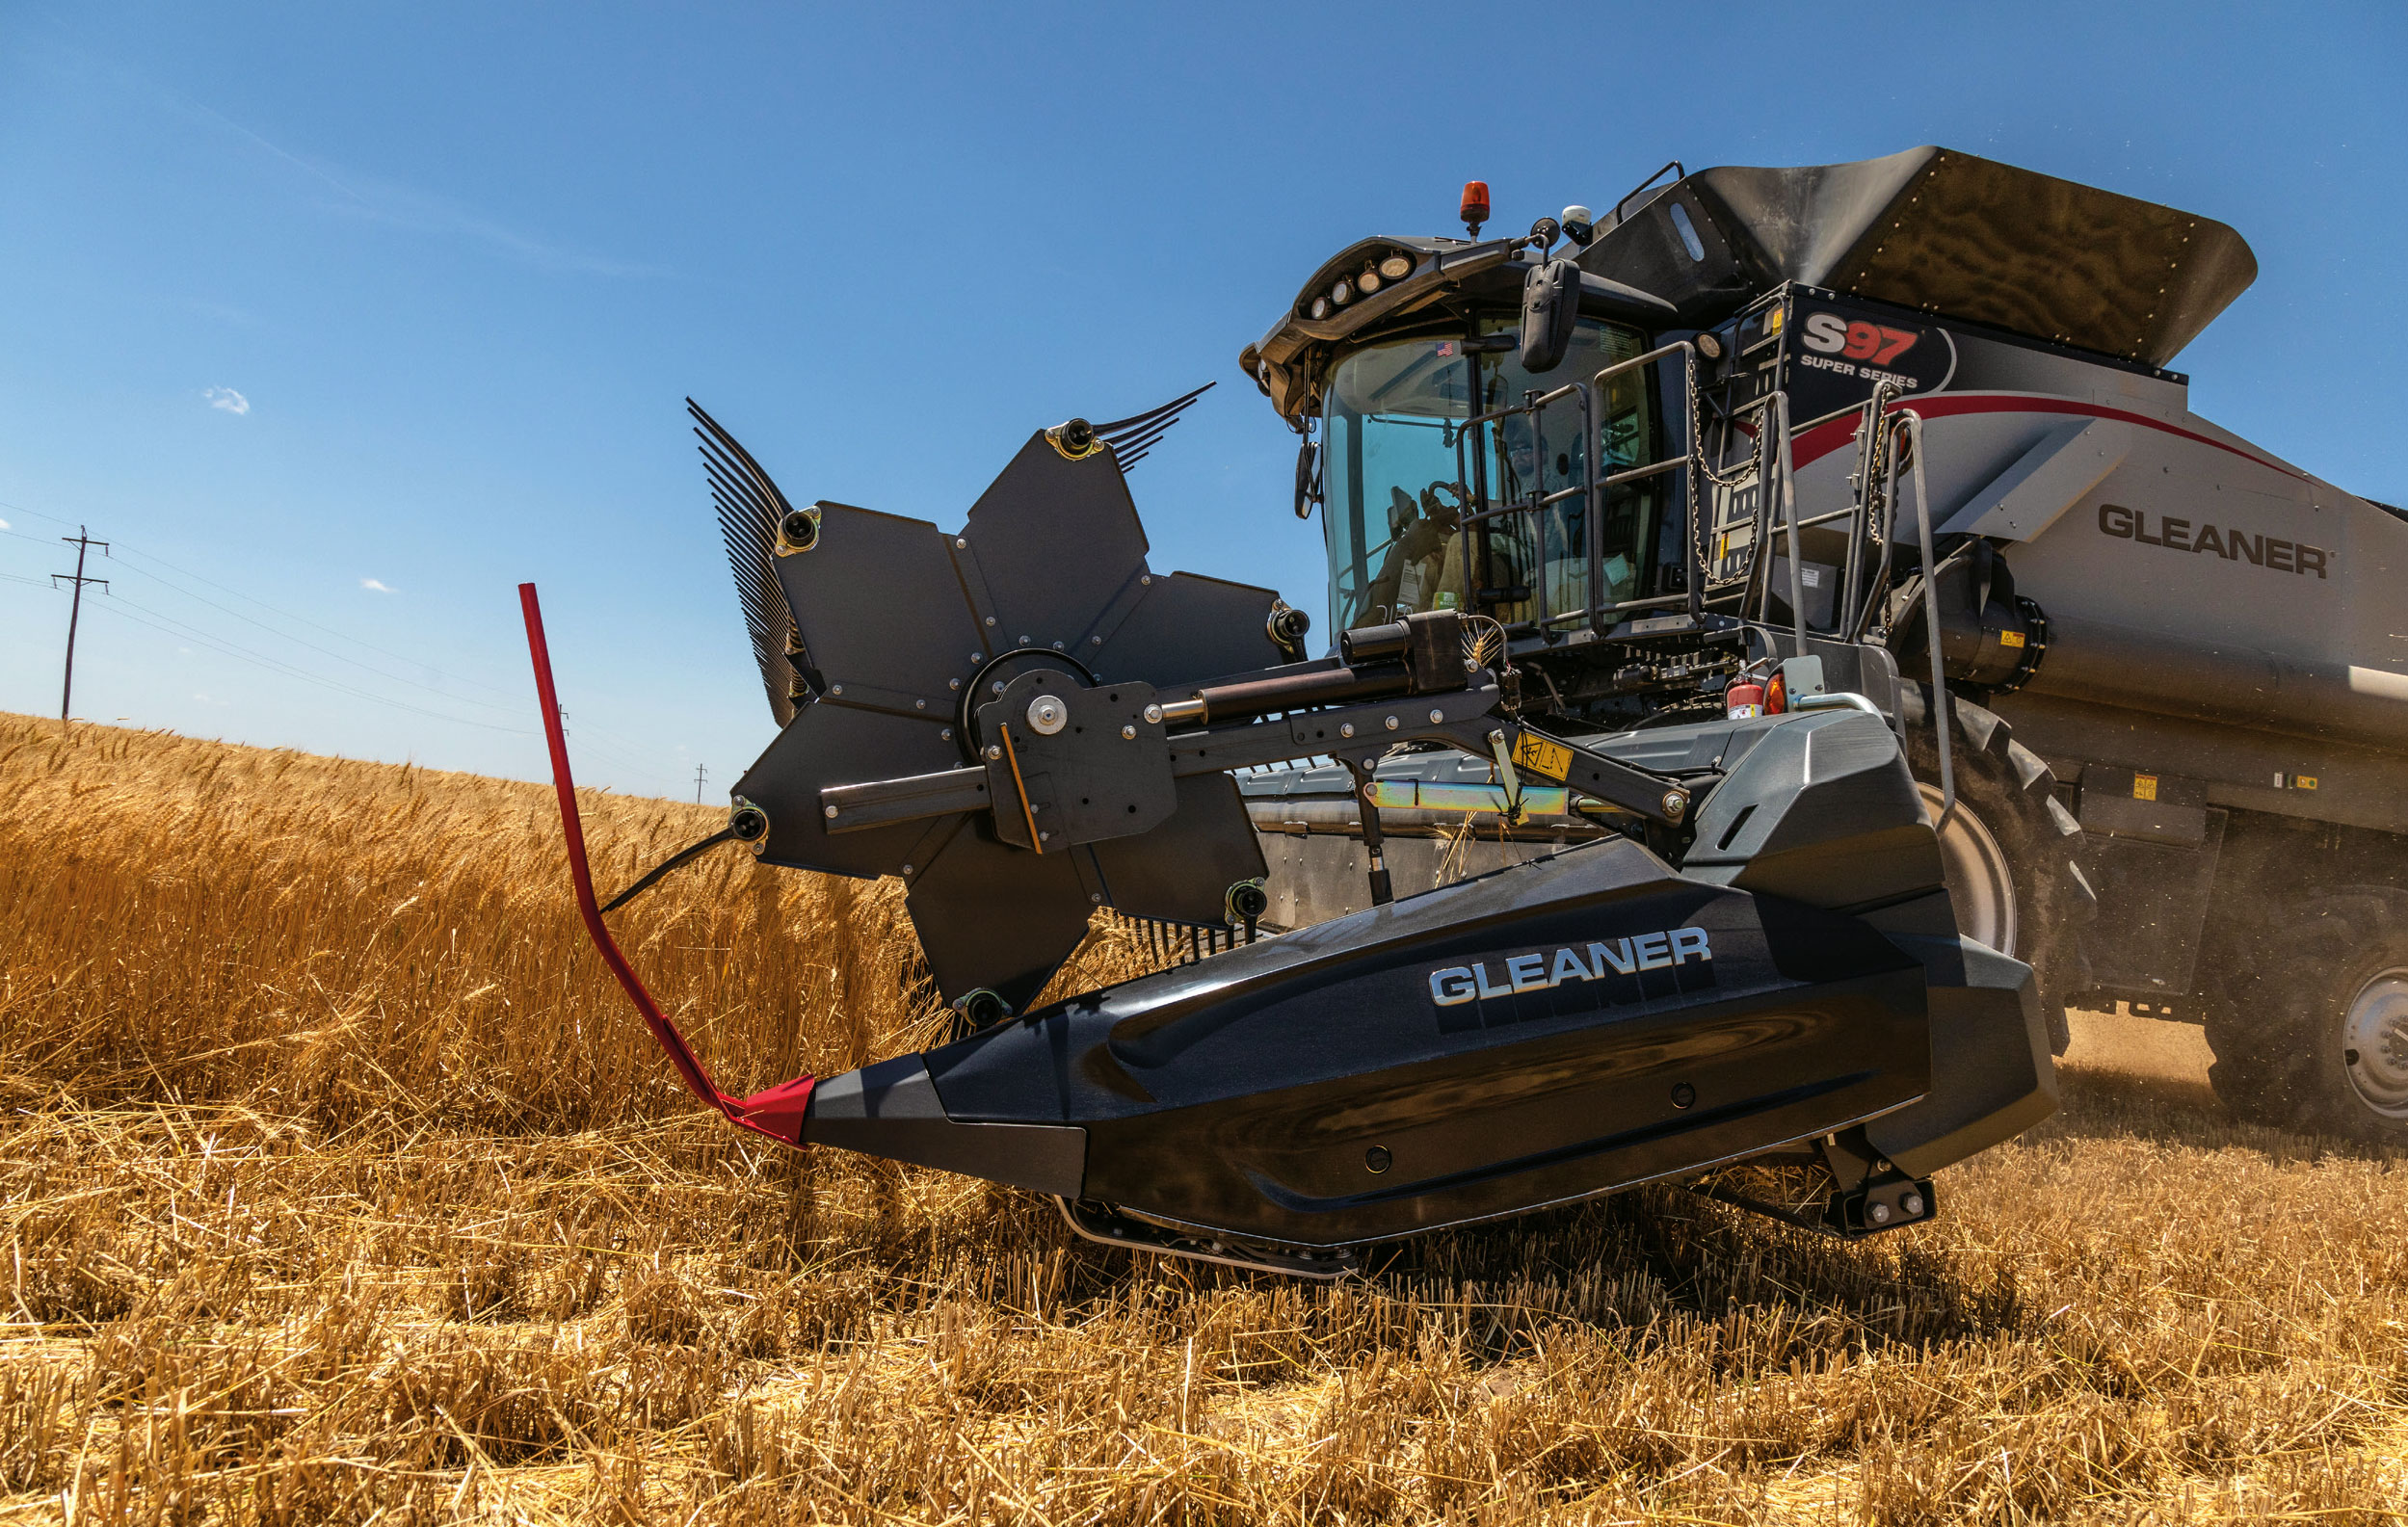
[[1943, 231]]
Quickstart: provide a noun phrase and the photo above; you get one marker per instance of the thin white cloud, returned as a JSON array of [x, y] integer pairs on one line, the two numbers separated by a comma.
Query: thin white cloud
[[375, 585], [3, 524], [226, 398], [416, 211]]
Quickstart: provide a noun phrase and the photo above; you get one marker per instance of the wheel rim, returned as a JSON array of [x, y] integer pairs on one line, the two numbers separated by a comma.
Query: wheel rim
[[1980, 881], [2375, 1034]]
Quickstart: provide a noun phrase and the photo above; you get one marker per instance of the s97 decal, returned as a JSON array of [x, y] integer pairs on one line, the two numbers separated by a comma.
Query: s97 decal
[[1830, 335]]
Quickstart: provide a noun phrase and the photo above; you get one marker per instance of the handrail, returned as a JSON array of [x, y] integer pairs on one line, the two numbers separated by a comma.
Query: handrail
[[1868, 453], [1772, 461], [1940, 709], [1838, 699], [1790, 515], [1669, 163], [1693, 455]]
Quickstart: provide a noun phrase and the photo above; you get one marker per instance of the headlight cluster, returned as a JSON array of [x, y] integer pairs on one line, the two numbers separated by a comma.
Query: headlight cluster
[[1394, 266]]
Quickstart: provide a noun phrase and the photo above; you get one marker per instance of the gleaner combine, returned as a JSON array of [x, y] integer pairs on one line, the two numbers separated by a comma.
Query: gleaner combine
[[1792, 640]]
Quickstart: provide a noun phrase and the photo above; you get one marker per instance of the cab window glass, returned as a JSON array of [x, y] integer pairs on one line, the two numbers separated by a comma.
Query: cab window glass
[[1402, 474]]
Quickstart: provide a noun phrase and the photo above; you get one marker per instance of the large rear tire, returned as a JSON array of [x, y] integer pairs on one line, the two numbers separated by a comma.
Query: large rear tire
[[2314, 1034], [2010, 850]]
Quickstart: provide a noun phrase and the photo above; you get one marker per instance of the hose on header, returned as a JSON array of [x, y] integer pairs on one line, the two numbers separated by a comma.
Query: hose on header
[[776, 1112]]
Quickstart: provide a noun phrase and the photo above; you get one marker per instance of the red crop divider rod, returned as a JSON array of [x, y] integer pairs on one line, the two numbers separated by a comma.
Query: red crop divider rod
[[777, 1112]]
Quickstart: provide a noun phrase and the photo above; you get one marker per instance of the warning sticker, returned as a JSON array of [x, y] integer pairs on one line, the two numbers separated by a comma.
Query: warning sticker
[[1537, 755], [2144, 787]]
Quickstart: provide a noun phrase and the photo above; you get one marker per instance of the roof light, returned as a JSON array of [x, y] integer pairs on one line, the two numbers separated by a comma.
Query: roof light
[[1343, 293], [1368, 282], [1396, 266], [1320, 307], [1474, 207]]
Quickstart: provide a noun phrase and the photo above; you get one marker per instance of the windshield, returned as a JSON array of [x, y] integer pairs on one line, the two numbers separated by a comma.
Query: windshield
[[1399, 477]]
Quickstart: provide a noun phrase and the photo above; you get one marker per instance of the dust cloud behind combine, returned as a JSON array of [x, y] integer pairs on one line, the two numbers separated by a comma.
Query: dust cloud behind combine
[[339, 1184]]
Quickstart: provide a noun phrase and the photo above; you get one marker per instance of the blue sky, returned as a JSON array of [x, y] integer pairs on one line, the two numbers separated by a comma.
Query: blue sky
[[340, 320]]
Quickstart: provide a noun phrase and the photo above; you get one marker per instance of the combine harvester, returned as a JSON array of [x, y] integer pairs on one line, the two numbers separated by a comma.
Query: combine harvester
[[1640, 529]]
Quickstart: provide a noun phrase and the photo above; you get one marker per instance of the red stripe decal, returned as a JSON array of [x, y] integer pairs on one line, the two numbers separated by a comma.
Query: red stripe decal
[[1833, 433]]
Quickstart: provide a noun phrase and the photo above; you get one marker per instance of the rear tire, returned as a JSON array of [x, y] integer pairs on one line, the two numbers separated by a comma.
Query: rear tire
[[2315, 1034], [2010, 850]]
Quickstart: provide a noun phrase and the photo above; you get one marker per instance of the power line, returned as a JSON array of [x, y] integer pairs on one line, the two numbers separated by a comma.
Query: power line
[[124, 609], [367, 668], [189, 632], [592, 740], [136, 559], [83, 543], [518, 707]]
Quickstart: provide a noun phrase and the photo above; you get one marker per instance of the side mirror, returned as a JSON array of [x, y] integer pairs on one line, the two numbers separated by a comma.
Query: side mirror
[[1551, 309], [1308, 478]]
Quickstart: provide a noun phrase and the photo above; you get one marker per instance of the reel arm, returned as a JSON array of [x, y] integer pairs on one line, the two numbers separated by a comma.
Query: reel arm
[[1119, 741]]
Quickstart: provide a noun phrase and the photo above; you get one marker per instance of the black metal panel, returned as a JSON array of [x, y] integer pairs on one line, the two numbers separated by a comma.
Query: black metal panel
[[829, 744], [1181, 871], [1186, 628], [2152, 807], [995, 916], [881, 610], [2152, 905], [1056, 540], [891, 1108], [1310, 1090]]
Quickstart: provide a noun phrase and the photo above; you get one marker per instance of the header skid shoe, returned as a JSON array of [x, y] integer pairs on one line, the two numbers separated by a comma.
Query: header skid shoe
[[1026, 724]]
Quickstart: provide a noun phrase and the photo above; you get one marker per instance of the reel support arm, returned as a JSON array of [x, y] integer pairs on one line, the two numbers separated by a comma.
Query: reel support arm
[[1467, 718]]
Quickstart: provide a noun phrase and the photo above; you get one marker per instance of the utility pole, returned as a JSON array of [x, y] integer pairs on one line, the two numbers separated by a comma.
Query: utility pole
[[83, 543], [697, 785]]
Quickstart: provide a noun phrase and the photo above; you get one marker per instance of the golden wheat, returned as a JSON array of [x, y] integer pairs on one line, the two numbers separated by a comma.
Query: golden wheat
[[340, 1185]]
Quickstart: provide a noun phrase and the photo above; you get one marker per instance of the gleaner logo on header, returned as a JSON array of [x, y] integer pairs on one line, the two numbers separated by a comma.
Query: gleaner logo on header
[[1539, 972]]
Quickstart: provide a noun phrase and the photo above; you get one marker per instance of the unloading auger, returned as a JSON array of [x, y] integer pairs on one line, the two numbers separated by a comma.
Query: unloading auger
[[1026, 724]]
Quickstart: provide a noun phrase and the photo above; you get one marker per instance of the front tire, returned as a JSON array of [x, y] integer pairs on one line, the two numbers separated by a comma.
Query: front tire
[[2010, 850], [2315, 1034]]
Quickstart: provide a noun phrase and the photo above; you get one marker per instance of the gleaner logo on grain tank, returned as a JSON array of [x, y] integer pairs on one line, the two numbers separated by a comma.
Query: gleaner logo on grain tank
[[1543, 971], [2270, 552]]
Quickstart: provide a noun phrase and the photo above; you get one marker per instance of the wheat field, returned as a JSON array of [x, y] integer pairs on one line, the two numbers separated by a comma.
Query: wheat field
[[340, 1185]]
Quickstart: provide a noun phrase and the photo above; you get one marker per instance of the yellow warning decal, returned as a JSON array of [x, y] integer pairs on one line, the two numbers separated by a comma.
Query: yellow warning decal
[[2144, 787], [1536, 754], [2305, 782], [2010, 639]]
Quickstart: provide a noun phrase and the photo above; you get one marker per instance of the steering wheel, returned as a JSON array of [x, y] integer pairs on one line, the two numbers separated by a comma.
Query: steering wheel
[[1432, 506]]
